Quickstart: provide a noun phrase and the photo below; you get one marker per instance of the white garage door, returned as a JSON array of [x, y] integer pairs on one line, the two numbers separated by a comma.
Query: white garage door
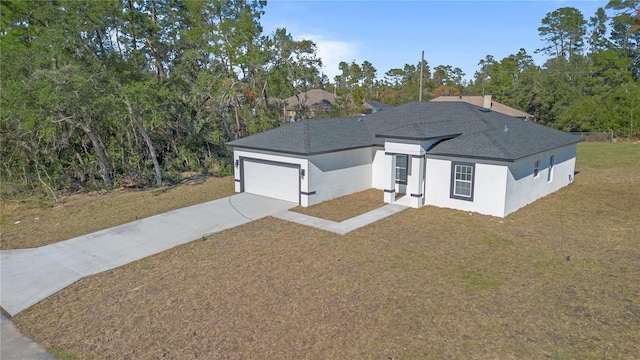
[[272, 179]]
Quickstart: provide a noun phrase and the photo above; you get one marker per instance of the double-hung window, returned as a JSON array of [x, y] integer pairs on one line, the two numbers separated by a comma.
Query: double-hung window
[[462, 175], [401, 168], [536, 169], [552, 161]]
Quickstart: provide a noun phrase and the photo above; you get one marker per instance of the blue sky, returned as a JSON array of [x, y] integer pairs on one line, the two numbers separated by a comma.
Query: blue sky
[[390, 34]]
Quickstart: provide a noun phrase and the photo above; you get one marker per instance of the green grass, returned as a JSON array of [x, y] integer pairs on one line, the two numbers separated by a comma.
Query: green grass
[[424, 283], [474, 280], [26, 226], [61, 353], [609, 155], [345, 207]]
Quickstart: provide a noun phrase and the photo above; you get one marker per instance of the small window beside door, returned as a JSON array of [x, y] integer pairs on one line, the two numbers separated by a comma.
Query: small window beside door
[[401, 168]]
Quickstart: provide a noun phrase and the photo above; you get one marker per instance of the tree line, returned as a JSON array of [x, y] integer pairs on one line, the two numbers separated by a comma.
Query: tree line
[[124, 93], [590, 82]]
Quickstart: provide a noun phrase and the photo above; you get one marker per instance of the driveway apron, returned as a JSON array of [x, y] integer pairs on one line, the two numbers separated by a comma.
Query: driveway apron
[[14, 346]]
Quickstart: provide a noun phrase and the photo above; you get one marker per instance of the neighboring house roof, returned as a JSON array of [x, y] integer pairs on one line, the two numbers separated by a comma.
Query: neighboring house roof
[[479, 101], [373, 104], [310, 98], [464, 130]]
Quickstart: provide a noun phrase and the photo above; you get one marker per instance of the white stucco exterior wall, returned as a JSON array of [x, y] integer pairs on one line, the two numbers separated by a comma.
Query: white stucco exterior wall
[[403, 148], [340, 173], [523, 188], [377, 169], [415, 186], [389, 186], [500, 188], [489, 186], [436, 183]]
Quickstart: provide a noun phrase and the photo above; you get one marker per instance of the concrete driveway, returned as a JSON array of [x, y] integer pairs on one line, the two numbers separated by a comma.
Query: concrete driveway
[[31, 275]]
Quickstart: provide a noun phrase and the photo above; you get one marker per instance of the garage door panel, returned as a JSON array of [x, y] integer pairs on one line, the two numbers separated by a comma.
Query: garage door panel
[[272, 180]]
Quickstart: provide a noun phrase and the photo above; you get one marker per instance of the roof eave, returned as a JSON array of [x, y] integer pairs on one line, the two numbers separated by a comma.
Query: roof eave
[[579, 140], [493, 158], [310, 153]]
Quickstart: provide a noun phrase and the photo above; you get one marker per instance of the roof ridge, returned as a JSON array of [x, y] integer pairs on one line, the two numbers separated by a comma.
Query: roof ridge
[[491, 126], [495, 141]]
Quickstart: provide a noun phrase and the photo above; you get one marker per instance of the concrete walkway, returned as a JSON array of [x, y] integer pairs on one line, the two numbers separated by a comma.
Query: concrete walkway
[[343, 227], [28, 276]]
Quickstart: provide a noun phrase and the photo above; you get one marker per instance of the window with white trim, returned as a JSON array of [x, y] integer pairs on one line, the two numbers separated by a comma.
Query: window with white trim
[[462, 181], [401, 168], [552, 160], [536, 169]]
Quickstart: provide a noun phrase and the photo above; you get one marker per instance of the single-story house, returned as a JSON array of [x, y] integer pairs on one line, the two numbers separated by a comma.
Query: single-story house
[[447, 154], [308, 104], [486, 101]]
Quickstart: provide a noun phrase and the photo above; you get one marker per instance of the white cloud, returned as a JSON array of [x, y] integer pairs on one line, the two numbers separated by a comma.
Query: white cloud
[[332, 52]]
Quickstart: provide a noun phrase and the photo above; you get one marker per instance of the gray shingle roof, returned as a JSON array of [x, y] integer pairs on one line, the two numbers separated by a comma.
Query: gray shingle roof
[[311, 136], [466, 130]]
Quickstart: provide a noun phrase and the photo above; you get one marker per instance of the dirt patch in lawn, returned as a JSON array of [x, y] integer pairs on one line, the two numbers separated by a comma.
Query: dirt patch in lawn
[[345, 207], [425, 283], [26, 226]]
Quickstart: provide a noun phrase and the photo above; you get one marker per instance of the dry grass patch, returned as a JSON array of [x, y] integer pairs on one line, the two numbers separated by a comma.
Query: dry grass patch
[[345, 207], [86, 213], [424, 283]]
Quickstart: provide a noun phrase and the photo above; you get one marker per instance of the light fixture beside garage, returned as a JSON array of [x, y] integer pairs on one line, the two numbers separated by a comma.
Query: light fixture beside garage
[[301, 173], [237, 162]]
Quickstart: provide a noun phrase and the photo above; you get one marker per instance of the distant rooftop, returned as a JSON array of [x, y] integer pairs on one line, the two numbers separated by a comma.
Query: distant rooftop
[[311, 97], [479, 101], [374, 104]]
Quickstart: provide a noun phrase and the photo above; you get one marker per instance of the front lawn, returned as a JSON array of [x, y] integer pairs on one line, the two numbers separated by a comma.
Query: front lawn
[[424, 283], [345, 207], [27, 226]]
